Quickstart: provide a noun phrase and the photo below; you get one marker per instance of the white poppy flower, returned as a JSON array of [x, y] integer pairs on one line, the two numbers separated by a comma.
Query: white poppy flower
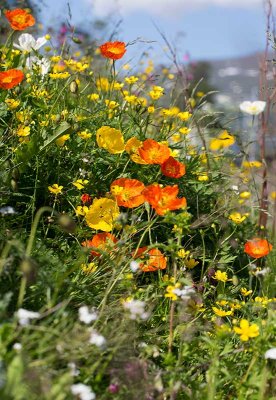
[[252, 107], [87, 316], [82, 391], [271, 353], [28, 43], [24, 316], [42, 64]]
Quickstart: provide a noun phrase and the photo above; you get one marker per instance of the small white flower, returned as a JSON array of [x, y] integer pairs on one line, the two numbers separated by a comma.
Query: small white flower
[[74, 369], [97, 339], [25, 316], [28, 43], [271, 353], [134, 266], [235, 189], [252, 107], [185, 293], [83, 392], [136, 309], [42, 64], [86, 316], [7, 210], [262, 272], [17, 346]]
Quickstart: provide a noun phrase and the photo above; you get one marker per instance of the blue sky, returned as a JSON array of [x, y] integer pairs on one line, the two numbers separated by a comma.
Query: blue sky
[[213, 29]]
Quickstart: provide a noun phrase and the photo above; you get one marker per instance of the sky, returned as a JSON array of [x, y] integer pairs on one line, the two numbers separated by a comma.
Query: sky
[[206, 29]]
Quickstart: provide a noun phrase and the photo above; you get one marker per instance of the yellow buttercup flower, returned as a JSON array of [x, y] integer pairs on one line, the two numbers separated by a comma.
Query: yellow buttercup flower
[[247, 331], [55, 189], [12, 103], [111, 104], [59, 75], [93, 96], [89, 268], [81, 210], [102, 214], [203, 177], [221, 276], [84, 135], [237, 217], [246, 292], [252, 164], [151, 109], [182, 253], [170, 291], [80, 183], [245, 195], [221, 313], [191, 263], [62, 139], [222, 141], [110, 139], [184, 130], [184, 116], [23, 131], [131, 79], [102, 84]]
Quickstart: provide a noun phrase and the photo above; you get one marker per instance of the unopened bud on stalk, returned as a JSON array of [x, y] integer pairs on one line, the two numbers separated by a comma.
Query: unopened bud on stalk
[[74, 87], [67, 223], [28, 268]]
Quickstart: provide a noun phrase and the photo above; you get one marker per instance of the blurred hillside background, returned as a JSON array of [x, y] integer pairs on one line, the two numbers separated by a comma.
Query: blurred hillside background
[[221, 41]]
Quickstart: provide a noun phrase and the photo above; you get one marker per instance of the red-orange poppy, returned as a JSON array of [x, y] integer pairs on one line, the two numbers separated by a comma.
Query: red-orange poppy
[[128, 192], [152, 259], [10, 78], [19, 19], [173, 168], [86, 198], [113, 50], [153, 152], [164, 199], [102, 241], [257, 247]]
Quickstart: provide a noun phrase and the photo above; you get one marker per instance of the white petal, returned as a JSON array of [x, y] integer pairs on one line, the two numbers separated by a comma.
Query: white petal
[[26, 41], [40, 42], [271, 353]]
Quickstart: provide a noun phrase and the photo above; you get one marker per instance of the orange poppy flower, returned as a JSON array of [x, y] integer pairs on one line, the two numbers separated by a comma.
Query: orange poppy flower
[[128, 192], [153, 152], [100, 241], [113, 50], [10, 78], [152, 259], [173, 168], [257, 247], [164, 199], [19, 19], [86, 198]]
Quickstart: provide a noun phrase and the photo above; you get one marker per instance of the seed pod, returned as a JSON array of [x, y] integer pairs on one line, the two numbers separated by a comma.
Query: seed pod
[[76, 40], [235, 280], [15, 173], [14, 185], [74, 87]]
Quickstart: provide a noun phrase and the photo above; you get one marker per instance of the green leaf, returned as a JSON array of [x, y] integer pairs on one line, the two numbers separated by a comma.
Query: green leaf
[[64, 128]]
